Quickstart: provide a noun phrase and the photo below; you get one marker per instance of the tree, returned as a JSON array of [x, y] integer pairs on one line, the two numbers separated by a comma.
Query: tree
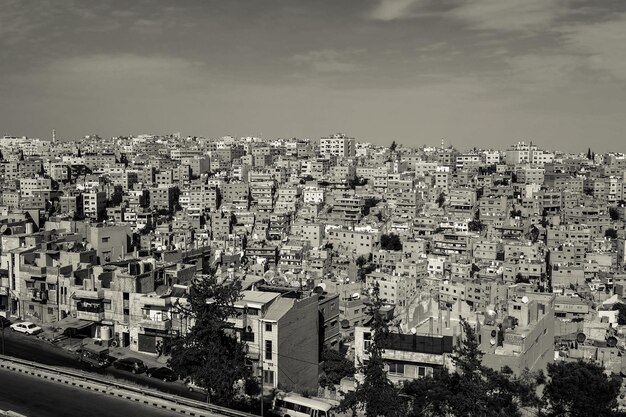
[[614, 213], [360, 261], [472, 389], [515, 213], [521, 279], [369, 204], [393, 146], [117, 196], [390, 242], [335, 366], [441, 199], [376, 395], [577, 389], [475, 226], [210, 354], [621, 316], [610, 233]]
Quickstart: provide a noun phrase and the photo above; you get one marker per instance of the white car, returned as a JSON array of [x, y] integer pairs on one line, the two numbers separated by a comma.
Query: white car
[[26, 327]]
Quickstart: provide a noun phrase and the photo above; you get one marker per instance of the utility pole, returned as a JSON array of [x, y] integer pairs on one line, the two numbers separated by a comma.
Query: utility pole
[[262, 360], [2, 324]]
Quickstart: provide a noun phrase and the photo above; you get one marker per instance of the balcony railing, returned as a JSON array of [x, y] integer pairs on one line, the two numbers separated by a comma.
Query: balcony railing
[[163, 325], [89, 315], [34, 270]]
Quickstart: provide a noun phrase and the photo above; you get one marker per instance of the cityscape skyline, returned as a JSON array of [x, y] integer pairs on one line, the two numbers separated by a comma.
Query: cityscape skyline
[[477, 74]]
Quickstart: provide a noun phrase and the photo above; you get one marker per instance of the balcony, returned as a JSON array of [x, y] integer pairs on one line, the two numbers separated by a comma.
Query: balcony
[[90, 311], [89, 315], [162, 325], [38, 295], [89, 294], [34, 271]]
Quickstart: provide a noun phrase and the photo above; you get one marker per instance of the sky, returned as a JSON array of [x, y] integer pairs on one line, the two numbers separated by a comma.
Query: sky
[[484, 73]]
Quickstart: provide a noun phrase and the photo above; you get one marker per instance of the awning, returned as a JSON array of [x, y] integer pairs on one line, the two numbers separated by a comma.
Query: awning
[[72, 323]]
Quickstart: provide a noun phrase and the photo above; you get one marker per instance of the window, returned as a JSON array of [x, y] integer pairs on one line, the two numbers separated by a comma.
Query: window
[[105, 239], [31, 307], [268, 327], [247, 336], [50, 310], [268, 377], [268, 349], [367, 340], [396, 368]]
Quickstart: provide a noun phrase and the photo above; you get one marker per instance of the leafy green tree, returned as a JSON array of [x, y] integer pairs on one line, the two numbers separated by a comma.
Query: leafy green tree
[[210, 354], [376, 395], [610, 233], [390, 242], [393, 146], [614, 213], [621, 315], [475, 226], [580, 389], [335, 366], [472, 389], [441, 199], [521, 279]]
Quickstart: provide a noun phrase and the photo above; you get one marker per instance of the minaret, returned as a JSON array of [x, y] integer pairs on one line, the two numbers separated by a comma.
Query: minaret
[[442, 145], [54, 136]]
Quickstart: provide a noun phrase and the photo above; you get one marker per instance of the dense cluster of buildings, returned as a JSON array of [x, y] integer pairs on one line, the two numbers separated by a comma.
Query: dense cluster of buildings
[[106, 236]]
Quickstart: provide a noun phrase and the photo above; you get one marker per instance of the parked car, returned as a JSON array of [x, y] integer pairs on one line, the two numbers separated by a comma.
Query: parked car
[[192, 387], [166, 374], [26, 327], [94, 355], [133, 365], [4, 322]]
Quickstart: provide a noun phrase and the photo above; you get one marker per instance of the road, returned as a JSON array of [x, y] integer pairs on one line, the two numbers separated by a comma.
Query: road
[[32, 396], [22, 346]]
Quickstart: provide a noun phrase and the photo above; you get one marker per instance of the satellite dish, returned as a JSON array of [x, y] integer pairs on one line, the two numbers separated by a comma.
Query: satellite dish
[[525, 299], [88, 246], [162, 290], [413, 330], [493, 333], [70, 246], [3, 228], [492, 341], [322, 286], [355, 296], [318, 290], [490, 316], [611, 341], [581, 337]]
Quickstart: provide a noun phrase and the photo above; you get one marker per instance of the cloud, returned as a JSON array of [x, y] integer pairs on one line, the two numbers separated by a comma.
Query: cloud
[[393, 9], [105, 76], [509, 15], [328, 61], [602, 45]]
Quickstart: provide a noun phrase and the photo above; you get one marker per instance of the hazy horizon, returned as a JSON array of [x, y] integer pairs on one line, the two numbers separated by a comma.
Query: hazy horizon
[[482, 73]]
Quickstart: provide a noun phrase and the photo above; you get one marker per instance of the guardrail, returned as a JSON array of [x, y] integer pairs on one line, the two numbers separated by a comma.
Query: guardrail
[[145, 396]]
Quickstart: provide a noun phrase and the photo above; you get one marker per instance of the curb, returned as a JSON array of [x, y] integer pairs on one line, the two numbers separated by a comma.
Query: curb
[[146, 397]]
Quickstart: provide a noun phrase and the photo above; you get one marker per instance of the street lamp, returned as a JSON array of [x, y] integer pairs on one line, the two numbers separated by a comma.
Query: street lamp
[[2, 324]]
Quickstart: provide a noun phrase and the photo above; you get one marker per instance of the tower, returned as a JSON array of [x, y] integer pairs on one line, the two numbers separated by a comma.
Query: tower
[[54, 136]]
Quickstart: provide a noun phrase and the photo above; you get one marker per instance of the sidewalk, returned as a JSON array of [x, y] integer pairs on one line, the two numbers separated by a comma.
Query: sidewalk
[[151, 361]]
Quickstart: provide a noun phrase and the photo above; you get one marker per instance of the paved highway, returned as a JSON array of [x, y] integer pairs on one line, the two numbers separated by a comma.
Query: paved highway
[[32, 396], [22, 346]]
